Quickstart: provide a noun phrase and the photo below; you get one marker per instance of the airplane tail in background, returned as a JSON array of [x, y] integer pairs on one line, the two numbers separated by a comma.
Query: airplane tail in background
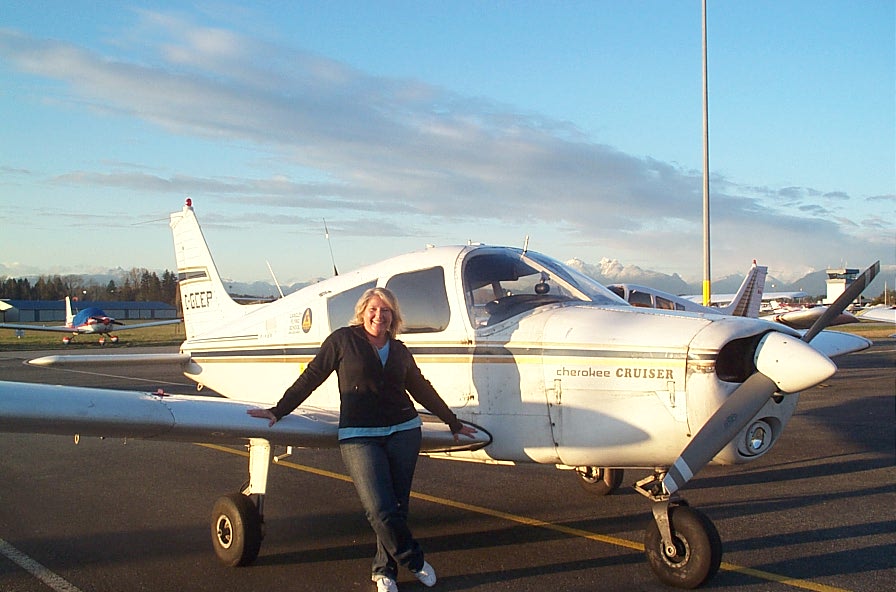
[[69, 315], [206, 303], [749, 297]]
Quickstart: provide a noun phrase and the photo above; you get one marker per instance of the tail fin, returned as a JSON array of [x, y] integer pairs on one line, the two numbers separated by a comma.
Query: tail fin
[[206, 303], [749, 297], [69, 315]]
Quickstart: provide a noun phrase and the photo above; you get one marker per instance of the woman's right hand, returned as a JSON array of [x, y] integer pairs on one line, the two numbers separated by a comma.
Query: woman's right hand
[[263, 414]]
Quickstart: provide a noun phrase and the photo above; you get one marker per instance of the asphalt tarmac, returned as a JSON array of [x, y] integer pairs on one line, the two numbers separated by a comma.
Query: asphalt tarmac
[[816, 513]]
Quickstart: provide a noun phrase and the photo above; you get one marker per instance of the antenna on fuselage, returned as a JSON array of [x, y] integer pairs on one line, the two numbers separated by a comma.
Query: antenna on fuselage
[[276, 283], [330, 245], [526, 245]]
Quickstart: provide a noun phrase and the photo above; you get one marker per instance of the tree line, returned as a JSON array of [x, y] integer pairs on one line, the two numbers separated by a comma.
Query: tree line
[[136, 285]]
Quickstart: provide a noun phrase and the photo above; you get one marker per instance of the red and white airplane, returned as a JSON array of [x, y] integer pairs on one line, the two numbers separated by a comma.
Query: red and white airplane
[[550, 366], [91, 320]]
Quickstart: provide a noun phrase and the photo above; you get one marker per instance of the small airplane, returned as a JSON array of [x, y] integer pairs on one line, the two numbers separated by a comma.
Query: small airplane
[[745, 303], [547, 364], [90, 320], [749, 301]]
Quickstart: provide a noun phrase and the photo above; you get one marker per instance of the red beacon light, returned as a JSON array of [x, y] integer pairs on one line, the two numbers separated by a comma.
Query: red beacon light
[[189, 203]]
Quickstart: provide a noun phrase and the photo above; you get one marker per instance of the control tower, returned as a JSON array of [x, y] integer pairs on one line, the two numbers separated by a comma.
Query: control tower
[[838, 280]]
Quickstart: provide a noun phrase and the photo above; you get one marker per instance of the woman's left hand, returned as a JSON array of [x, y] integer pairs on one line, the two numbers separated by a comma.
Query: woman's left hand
[[466, 430]]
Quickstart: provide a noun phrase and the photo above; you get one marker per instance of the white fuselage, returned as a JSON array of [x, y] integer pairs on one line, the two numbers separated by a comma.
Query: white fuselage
[[569, 383]]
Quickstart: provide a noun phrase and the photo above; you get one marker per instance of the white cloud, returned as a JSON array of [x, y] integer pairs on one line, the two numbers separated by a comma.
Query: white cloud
[[411, 148]]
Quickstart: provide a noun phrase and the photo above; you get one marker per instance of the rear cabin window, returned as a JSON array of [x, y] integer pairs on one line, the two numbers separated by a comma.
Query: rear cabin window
[[423, 300], [341, 307], [667, 304]]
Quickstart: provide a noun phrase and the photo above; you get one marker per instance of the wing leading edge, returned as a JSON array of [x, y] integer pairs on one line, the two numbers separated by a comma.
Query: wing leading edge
[[65, 410]]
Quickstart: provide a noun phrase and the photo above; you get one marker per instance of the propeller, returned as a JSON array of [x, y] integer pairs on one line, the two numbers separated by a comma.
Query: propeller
[[783, 364]]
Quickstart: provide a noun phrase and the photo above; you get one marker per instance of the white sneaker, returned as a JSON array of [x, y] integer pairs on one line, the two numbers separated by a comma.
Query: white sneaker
[[386, 584], [426, 574]]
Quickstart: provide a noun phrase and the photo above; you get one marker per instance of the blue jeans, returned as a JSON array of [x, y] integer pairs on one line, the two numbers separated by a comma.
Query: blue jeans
[[383, 469]]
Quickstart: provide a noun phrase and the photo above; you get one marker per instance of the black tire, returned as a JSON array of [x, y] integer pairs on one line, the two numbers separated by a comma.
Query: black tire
[[236, 530], [698, 549], [599, 480]]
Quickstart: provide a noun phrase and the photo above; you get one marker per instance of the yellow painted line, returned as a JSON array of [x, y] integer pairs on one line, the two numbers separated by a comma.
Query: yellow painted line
[[787, 581], [530, 521], [535, 523]]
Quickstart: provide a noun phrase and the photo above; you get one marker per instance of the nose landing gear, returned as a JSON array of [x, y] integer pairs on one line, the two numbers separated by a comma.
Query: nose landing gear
[[682, 545]]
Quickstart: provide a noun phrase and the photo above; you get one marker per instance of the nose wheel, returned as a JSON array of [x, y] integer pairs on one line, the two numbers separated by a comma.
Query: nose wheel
[[694, 554]]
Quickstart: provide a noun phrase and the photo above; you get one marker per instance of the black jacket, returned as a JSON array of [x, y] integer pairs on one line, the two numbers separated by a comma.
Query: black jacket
[[371, 395]]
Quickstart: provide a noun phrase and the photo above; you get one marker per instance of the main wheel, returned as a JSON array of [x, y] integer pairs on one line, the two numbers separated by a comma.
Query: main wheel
[[598, 480], [698, 549], [236, 530]]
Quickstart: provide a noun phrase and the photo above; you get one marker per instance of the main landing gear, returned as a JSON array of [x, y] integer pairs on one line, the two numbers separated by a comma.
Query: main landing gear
[[682, 545], [237, 522], [102, 340], [599, 480]]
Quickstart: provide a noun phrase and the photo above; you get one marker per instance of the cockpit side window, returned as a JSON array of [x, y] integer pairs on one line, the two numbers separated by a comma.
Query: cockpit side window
[[642, 299], [500, 285]]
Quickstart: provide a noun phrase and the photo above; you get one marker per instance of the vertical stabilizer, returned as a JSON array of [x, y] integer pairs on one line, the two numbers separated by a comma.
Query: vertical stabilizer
[[749, 297], [69, 316], [206, 303]]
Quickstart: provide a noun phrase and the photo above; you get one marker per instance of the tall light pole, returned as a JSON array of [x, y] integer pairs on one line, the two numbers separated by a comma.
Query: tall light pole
[[706, 270]]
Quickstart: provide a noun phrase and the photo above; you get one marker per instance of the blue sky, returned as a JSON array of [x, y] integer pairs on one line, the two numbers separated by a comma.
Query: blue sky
[[410, 123]]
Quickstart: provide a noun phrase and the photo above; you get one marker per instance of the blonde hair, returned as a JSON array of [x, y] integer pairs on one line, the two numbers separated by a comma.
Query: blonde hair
[[391, 301]]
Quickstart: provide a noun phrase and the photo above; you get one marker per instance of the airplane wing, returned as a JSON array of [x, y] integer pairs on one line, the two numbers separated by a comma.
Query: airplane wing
[[64, 410], [91, 359], [125, 327], [766, 296], [57, 328], [881, 314]]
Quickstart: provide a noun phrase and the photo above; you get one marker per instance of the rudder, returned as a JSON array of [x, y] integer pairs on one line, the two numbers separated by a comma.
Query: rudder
[[206, 303], [749, 297]]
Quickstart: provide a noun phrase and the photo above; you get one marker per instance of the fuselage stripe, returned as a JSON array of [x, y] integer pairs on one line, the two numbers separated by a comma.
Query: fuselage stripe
[[466, 353]]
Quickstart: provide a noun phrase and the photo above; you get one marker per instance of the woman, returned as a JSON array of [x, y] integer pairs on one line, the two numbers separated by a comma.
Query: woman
[[379, 428]]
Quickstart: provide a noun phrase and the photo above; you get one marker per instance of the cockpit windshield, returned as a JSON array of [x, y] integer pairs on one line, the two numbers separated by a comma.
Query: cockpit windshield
[[502, 283]]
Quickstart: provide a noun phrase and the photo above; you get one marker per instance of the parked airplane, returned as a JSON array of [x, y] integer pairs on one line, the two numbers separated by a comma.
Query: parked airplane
[[548, 365], [749, 301], [90, 320], [746, 303]]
